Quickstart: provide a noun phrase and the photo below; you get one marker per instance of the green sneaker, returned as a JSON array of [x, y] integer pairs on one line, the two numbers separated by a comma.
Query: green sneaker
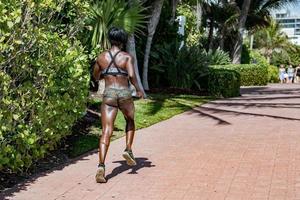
[[128, 155], [100, 174]]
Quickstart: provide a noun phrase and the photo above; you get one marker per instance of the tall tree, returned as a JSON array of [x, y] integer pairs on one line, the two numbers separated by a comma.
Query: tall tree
[[154, 19], [237, 51]]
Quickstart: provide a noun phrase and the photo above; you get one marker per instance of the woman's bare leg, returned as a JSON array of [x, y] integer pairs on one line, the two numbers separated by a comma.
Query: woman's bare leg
[[108, 116], [127, 108]]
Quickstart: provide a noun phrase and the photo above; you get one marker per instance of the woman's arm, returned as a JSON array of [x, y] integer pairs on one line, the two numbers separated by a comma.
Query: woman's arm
[[96, 71], [132, 76]]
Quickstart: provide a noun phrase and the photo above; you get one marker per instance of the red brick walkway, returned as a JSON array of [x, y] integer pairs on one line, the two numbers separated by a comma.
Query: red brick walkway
[[241, 148]]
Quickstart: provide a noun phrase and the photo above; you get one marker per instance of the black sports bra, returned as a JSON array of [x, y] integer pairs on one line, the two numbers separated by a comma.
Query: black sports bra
[[113, 70]]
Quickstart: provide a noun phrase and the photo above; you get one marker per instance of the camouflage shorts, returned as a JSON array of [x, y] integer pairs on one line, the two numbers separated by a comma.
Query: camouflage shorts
[[117, 94]]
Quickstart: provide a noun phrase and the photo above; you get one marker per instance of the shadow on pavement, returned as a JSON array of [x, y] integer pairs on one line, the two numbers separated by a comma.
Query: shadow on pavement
[[204, 114], [24, 185], [141, 163], [252, 97]]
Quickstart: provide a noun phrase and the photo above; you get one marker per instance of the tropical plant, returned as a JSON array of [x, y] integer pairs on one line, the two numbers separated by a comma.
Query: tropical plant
[[294, 54], [218, 57], [271, 39], [108, 13], [178, 67]]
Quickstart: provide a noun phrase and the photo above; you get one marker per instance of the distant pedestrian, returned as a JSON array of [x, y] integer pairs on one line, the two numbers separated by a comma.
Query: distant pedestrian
[[291, 73], [297, 74], [283, 76]]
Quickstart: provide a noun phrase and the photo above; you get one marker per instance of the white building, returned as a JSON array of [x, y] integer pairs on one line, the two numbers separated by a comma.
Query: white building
[[290, 25]]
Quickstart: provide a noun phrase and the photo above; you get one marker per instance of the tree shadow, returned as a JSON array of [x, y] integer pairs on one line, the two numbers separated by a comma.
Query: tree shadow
[[23, 186], [141, 163], [204, 114], [248, 105], [217, 110], [269, 90], [155, 106]]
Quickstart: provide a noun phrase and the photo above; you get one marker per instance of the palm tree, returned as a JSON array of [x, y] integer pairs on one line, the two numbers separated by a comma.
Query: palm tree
[[108, 13], [271, 39], [154, 19]]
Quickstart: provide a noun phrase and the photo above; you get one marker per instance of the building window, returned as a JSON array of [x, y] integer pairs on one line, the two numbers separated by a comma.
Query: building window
[[286, 20], [288, 25]]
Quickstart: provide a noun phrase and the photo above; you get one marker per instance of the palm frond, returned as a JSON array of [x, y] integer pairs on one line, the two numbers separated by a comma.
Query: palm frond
[[108, 13]]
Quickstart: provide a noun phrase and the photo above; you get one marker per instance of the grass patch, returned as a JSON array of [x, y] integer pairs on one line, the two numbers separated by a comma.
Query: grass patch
[[156, 108]]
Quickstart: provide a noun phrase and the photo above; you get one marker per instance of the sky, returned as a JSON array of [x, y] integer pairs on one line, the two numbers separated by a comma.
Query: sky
[[295, 9]]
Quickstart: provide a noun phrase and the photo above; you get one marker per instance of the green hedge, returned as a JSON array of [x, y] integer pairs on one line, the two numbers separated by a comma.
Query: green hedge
[[40, 111], [43, 84], [223, 82], [273, 74], [251, 74]]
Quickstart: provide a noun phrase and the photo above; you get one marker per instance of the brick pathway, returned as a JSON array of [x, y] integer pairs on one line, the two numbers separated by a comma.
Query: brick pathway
[[240, 148]]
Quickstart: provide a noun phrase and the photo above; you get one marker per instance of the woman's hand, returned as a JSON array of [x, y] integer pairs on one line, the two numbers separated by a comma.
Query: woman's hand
[[140, 94]]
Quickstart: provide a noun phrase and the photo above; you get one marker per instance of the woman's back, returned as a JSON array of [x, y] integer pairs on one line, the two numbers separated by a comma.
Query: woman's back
[[113, 66]]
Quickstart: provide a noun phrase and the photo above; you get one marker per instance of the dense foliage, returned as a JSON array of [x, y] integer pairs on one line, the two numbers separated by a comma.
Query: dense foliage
[[251, 74], [273, 74], [223, 82], [177, 67], [43, 76], [108, 13]]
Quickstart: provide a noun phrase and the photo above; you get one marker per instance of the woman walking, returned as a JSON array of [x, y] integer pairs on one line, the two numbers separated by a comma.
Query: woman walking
[[117, 69]]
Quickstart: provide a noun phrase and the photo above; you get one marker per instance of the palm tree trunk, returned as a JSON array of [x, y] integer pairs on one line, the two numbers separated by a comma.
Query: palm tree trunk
[[198, 14], [210, 34], [131, 49], [237, 51], [222, 39], [174, 6], [154, 19]]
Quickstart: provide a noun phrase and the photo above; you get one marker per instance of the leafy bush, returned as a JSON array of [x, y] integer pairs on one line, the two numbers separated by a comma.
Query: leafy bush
[[257, 58], [180, 68], [44, 81], [279, 58], [251, 74], [218, 57], [273, 74], [223, 82]]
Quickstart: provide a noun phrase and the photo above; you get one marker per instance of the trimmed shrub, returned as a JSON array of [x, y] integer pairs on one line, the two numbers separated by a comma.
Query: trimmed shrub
[[43, 83], [39, 111], [251, 74], [223, 82], [273, 74]]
